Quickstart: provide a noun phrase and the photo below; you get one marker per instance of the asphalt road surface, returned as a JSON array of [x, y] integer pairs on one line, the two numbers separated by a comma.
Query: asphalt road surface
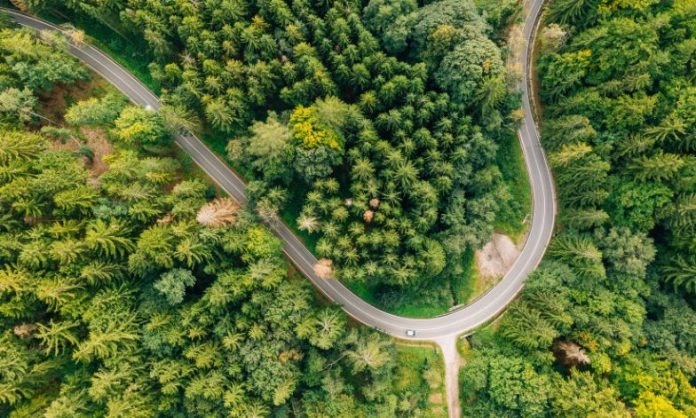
[[459, 321]]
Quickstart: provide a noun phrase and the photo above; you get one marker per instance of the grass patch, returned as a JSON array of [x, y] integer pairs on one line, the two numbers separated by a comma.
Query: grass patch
[[510, 219], [219, 146], [291, 212], [418, 307], [463, 347], [482, 285], [431, 299], [464, 287], [420, 371], [365, 292], [424, 302]]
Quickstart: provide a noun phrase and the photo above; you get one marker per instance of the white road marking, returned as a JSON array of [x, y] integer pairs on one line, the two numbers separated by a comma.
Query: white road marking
[[455, 322]]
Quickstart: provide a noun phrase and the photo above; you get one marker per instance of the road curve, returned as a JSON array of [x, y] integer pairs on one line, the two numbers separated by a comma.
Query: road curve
[[459, 321]]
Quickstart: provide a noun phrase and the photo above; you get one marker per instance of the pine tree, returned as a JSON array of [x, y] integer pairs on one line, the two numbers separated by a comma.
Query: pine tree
[[57, 336], [368, 352], [680, 273], [108, 239], [660, 166]]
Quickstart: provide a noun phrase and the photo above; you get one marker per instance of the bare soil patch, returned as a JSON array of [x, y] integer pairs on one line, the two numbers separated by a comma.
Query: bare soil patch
[[435, 398], [96, 140], [70, 145], [496, 257], [53, 103]]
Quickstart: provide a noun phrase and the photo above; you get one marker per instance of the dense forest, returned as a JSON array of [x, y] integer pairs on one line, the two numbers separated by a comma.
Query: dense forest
[[128, 288], [374, 125], [607, 326]]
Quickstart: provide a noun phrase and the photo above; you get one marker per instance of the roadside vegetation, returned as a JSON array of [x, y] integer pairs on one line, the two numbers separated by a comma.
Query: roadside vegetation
[[606, 326], [373, 128], [421, 370], [514, 215], [129, 288]]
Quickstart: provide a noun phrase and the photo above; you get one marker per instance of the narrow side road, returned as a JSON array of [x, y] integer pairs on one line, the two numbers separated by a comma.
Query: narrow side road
[[448, 346]]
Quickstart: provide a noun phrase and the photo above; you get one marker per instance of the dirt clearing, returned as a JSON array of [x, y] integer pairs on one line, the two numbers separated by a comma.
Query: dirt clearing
[[496, 257]]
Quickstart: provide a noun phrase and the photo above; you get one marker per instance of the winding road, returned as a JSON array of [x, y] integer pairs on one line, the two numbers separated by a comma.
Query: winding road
[[456, 322], [443, 329]]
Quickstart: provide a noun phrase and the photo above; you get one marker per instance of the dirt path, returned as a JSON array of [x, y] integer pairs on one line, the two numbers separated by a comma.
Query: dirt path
[[448, 345]]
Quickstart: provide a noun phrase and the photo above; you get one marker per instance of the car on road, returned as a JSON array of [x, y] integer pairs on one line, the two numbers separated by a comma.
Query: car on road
[[410, 333]]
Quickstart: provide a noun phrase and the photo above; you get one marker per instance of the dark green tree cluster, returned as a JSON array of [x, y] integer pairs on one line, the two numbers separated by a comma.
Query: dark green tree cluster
[[133, 292], [606, 327], [379, 118], [621, 109]]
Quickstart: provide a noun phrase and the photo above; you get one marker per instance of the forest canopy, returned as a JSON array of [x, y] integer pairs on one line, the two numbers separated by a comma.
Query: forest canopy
[[372, 124], [128, 288], [606, 326]]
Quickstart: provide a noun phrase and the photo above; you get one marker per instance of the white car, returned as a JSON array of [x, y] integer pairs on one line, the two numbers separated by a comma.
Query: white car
[[410, 333]]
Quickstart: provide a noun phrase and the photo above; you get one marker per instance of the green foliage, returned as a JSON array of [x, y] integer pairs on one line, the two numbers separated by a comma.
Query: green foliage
[[629, 104], [512, 384], [581, 253], [31, 64], [317, 148], [681, 273], [605, 320], [265, 150], [19, 146], [37, 62], [308, 131], [19, 104], [499, 14], [394, 103], [116, 301], [95, 111], [464, 71], [566, 11], [420, 371], [581, 396], [637, 204], [380, 17], [172, 285], [138, 126]]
